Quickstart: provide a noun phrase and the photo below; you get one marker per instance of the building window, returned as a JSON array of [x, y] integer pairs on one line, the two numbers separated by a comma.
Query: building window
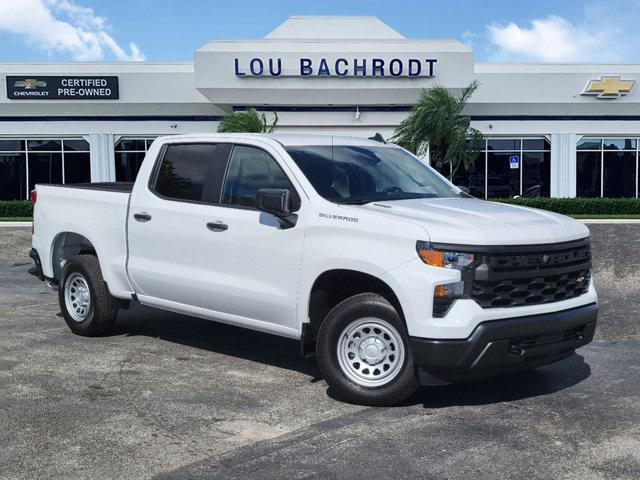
[[506, 167], [607, 167], [27, 162], [129, 153]]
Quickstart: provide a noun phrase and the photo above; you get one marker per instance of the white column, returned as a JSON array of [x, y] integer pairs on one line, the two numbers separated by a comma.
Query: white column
[[563, 164], [103, 167]]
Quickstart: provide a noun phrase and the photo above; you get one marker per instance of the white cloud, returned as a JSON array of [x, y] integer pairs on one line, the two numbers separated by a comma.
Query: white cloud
[[555, 39], [62, 26]]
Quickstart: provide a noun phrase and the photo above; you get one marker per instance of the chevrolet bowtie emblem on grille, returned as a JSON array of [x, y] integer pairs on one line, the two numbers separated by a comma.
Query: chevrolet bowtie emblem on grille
[[609, 87], [30, 84]]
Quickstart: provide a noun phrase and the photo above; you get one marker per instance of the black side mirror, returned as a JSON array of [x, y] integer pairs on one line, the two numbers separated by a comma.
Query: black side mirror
[[276, 202]]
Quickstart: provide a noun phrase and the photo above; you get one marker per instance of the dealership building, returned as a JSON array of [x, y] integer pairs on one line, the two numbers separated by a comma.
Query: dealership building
[[559, 130]]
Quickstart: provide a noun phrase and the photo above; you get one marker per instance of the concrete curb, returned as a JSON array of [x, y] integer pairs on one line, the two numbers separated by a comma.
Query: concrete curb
[[609, 220], [15, 224]]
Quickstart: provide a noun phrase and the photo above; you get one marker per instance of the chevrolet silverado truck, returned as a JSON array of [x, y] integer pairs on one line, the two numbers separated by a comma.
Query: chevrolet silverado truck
[[390, 274]]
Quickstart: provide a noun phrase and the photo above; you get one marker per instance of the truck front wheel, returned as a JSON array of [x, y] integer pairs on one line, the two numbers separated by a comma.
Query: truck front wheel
[[363, 352], [85, 301]]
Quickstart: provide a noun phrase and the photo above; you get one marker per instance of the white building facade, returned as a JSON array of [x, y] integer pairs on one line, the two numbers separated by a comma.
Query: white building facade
[[560, 130]]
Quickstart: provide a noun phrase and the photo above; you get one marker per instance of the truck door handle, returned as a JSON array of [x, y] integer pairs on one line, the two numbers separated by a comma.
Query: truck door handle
[[217, 226], [142, 216]]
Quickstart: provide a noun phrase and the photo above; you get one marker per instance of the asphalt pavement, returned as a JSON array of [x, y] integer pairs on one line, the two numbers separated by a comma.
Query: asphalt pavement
[[173, 397]]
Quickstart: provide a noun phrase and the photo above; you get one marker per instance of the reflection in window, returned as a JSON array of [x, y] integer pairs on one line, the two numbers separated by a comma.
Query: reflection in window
[[472, 177], [536, 174], [129, 154]]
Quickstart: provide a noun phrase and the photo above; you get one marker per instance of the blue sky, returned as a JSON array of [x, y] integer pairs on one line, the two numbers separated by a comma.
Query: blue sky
[[161, 30]]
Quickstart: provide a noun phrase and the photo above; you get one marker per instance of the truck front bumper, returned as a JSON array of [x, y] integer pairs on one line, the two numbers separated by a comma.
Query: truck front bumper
[[506, 345]]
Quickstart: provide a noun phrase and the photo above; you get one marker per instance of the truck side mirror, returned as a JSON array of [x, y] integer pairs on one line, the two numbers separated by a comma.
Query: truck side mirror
[[276, 202]]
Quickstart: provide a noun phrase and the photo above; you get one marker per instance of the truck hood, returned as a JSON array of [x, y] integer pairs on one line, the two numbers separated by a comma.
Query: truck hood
[[469, 221]]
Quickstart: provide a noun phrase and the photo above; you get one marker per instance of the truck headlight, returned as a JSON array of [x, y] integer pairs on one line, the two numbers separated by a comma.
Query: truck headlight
[[445, 294], [440, 258]]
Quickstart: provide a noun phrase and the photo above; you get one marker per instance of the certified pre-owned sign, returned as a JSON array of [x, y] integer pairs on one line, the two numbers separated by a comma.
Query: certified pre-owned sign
[[62, 88]]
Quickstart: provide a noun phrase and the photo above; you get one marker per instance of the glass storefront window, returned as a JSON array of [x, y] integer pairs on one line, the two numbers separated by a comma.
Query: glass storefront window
[[44, 167], [77, 167], [539, 144], [619, 144], [504, 144], [607, 167], [13, 176], [588, 174], [503, 180], [46, 145], [11, 145], [619, 174], [26, 162], [590, 144], [129, 153], [529, 175], [472, 177], [76, 145], [536, 175]]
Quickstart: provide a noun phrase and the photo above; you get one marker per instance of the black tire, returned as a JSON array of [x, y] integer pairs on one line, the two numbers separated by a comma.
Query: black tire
[[103, 308], [344, 314]]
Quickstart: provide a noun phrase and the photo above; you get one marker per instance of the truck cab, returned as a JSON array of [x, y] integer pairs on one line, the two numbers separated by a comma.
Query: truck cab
[[382, 268]]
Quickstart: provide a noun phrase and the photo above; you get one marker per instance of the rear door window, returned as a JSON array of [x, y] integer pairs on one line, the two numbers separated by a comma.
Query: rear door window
[[186, 171]]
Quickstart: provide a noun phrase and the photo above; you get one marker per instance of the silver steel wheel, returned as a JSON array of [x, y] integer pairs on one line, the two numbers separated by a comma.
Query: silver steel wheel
[[77, 297], [370, 352]]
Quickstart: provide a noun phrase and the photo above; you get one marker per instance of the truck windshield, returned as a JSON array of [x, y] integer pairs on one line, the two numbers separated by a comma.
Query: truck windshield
[[359, 174]]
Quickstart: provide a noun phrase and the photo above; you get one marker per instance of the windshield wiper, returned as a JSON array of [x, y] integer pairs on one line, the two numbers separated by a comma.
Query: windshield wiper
[[355, 202]]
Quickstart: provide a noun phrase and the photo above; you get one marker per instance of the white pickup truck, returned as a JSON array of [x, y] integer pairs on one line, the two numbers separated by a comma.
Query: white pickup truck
[[390, 274]]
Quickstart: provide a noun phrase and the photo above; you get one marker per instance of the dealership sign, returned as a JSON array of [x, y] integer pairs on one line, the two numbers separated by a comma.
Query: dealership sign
[[62, 88], [335, 67]]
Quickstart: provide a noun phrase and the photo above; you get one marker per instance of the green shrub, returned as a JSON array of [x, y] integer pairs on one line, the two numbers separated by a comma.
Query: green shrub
[[580, 206], [15, 208]]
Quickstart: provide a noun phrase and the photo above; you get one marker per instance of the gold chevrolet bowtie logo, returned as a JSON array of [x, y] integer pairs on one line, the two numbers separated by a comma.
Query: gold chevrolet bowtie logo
[[609, 87], [30, 84]]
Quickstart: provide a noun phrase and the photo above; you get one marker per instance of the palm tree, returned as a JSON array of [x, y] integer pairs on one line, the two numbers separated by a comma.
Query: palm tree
[[247, 122], [436, 123]]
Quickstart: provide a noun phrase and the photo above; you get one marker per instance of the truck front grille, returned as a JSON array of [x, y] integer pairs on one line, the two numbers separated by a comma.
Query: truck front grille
[[530, 290], [530, 275]]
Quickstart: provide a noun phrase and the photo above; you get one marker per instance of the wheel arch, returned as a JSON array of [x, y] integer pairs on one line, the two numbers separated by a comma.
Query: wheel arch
[[66, 245], [335, 285]]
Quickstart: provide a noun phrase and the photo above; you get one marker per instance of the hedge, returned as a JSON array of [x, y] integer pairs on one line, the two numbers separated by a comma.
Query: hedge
[[15, 208], [580, 206]]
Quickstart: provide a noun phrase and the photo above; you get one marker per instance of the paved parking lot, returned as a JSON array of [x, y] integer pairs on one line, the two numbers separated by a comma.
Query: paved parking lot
[[169, 396]]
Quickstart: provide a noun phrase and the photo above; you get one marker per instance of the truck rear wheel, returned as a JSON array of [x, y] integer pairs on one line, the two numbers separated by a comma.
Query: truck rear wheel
[[85, 301], [363, 352]]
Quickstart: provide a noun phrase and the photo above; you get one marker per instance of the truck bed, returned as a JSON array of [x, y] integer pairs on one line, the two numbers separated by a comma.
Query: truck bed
[[95, 211]]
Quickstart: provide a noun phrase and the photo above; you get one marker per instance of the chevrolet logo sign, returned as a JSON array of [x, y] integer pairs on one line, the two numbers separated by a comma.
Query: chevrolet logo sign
[[609, 87], [30, 84]]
